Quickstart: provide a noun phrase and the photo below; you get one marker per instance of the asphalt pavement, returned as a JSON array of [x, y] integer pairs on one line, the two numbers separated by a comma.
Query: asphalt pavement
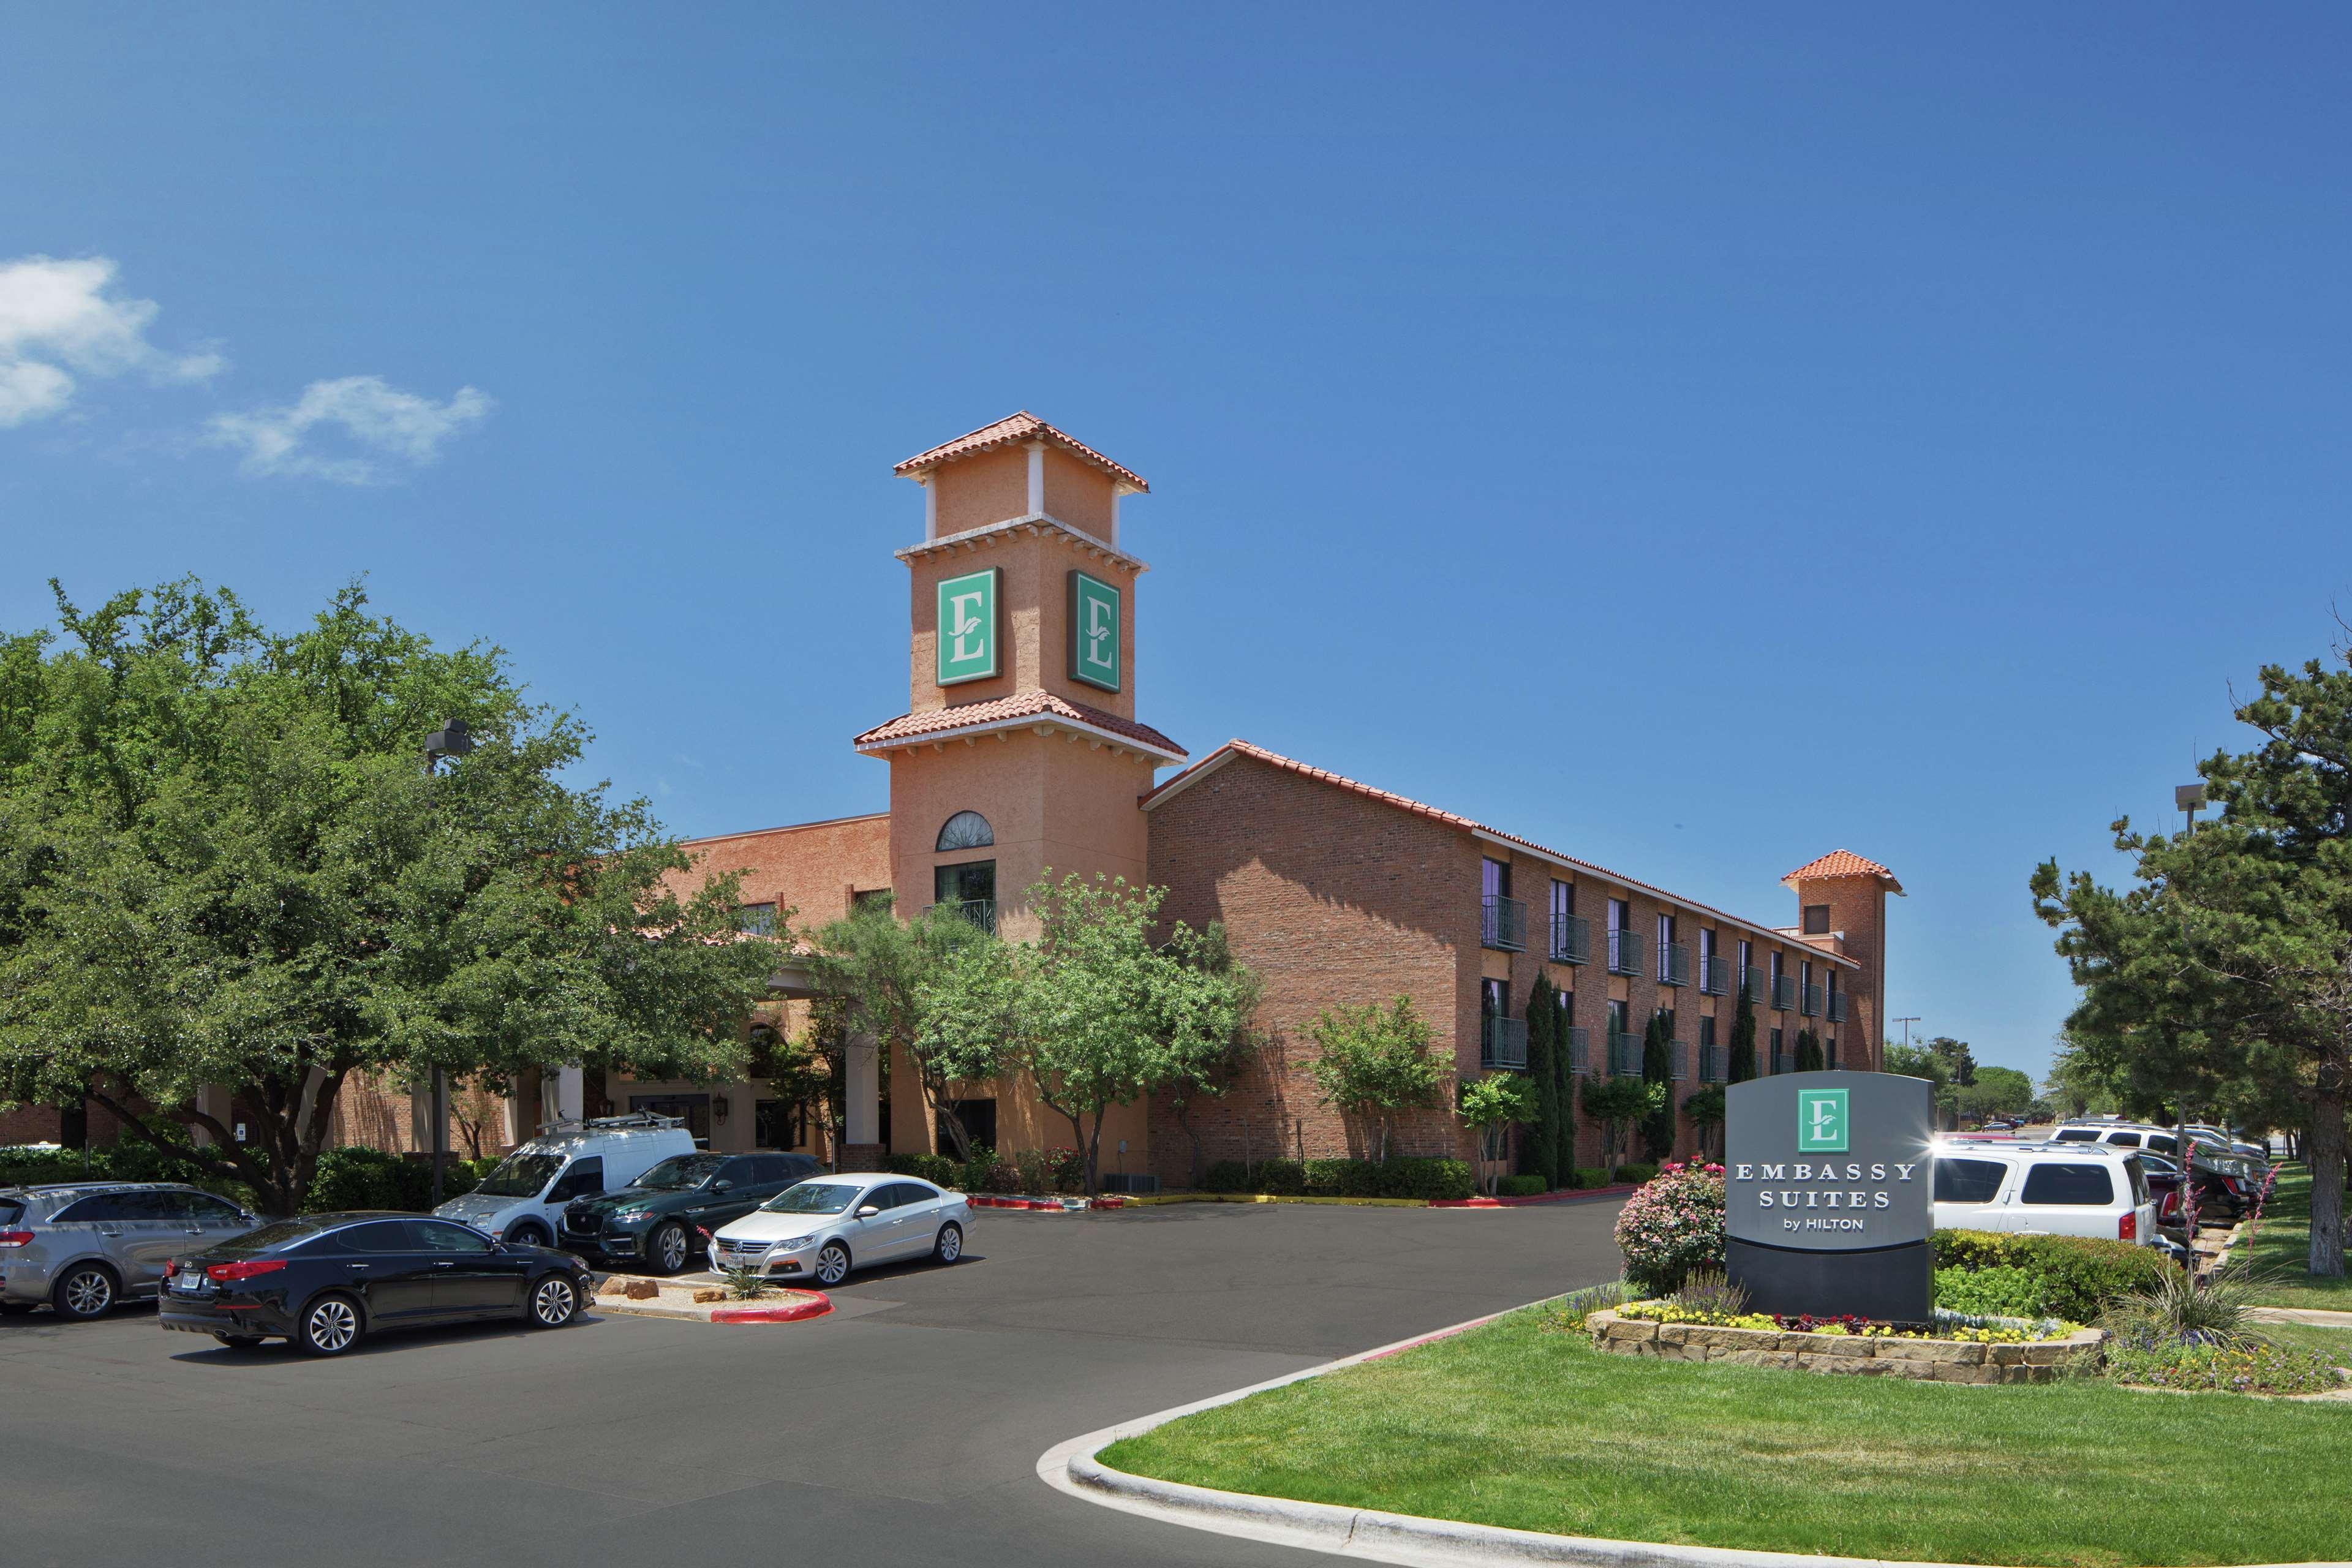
[[903, 1429]]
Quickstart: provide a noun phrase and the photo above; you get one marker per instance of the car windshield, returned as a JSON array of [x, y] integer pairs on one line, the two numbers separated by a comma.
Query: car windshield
[[276, 1233], [521, 1176], [812, 1197], [680, 1171]]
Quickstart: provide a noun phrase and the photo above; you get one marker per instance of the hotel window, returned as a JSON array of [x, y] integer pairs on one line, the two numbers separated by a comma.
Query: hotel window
[[1563, 899], [1624, 944], [965, 830], [1775, 961], [1817, 919], [759, 919], [969, 890], [1777, 1064], [1495, 878], [1706, 951], [1619, 1017]]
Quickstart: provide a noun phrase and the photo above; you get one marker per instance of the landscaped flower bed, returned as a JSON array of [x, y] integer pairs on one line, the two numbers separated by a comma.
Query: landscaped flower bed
[[2256, 1368], [1973, 1352]]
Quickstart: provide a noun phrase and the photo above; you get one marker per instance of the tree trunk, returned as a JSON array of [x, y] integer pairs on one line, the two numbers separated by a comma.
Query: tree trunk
[[1094, 1155], [2323, 1147], [1183, 1110]]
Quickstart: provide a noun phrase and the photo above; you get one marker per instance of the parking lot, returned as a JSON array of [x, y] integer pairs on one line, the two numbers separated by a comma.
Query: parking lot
[[902, 1429]]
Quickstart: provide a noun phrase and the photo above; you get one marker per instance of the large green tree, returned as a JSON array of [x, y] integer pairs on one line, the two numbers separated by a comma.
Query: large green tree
[[222, 862], [1540, 1136], [2223, 975], [883, 972], [1374, 1061]]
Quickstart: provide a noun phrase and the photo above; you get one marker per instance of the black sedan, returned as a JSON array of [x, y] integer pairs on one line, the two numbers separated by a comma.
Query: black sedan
[[328, 1280]]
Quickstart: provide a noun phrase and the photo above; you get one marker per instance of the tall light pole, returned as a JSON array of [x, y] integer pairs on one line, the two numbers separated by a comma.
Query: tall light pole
[[1906, 1024], [452, 739], [2187, 799]]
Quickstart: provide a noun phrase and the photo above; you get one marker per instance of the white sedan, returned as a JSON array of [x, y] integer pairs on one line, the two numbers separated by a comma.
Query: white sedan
[[821, 1229]]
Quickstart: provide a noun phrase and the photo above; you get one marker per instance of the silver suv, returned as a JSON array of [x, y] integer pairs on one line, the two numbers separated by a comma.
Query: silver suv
[[82, 1246]]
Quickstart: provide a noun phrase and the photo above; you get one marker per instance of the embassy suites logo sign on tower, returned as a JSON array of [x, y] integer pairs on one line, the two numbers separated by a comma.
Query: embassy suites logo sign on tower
[[1828, 1193]]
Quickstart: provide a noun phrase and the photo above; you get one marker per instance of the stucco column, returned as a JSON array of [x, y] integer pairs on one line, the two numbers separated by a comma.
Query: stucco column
[[862, 1147]]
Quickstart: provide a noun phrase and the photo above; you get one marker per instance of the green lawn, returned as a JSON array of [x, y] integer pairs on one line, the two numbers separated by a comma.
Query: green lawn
[[2331, 1342], [1522, 1424], [2282, 1251]]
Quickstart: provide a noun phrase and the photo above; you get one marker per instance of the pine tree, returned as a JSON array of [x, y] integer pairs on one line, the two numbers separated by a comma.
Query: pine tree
[[1658, 1067], [1743, 1037], [1563, 1072], [1809, 1051], [1538, 1139]]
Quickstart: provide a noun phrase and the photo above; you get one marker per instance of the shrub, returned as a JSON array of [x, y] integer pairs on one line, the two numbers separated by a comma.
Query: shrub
[[1578, 1305], [937, 1169], [2176, 1310], [2080, 1275], [2001, 1291], [1530, 1187], [1710, 1291], [2248, 1369], [1403, 1177], [1639, 1172], [1673, 1224], [1589, 1176]]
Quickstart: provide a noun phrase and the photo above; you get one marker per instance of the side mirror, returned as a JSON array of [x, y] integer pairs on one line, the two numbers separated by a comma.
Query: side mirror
[[722, 1186], [867, 1211]]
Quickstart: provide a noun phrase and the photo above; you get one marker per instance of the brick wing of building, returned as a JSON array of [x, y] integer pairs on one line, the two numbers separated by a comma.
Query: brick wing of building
[[1021, 751]]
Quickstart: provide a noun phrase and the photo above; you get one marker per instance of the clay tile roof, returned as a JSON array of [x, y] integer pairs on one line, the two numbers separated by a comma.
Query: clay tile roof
[[1022, 427], [1004, 711], [1840, 863], [1436, 814]]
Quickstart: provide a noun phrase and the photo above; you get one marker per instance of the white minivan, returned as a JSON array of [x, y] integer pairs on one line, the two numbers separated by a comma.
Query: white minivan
[[2043, 1189], [522, 1199]]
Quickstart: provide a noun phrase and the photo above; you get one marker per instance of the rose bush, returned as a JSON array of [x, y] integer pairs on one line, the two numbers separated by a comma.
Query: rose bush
[[1672, 1226]]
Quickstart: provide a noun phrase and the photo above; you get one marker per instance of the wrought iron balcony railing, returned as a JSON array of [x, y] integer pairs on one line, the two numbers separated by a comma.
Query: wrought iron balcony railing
[[1679, 1055], [1624, 1054], [1813, 1003], [1578, 1051], [1784, 993], [1755, 983], [1571, 938], [1711, 1066], [1624, 953], [1837, 1007], [1715, 977], [981, 912], [1674, 963], [1503, 1045], [1503, 923]]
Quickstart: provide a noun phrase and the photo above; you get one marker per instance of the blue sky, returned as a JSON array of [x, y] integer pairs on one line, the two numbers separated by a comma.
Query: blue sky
[[1692, 436]]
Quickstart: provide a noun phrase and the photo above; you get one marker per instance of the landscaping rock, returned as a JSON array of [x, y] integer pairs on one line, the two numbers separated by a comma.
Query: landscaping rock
[[616, 1286], [640, 1289], [710, 1293]]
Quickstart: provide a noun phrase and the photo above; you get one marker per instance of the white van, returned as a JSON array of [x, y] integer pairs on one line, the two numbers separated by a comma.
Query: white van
[[522, 1199], [2043, 1189]]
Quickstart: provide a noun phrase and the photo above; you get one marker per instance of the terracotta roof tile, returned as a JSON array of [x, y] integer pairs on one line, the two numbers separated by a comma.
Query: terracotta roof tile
[[1454, 819], [1021, 427], [1006, 710], [1840, 863]]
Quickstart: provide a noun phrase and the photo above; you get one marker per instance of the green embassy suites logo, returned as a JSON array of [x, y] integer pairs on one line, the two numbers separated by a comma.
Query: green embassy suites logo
[[967, 634], [1094, 631], [1821, 1121]]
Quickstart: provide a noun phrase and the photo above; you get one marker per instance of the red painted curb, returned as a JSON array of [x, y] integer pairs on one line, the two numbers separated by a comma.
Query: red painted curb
[[792, 1312]]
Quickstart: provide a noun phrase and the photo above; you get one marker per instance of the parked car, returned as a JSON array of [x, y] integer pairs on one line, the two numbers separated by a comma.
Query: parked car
[[326, 1281], [654, 1220], [2043, 1189], [821, 1229], [524, 1196], [84, 1247]]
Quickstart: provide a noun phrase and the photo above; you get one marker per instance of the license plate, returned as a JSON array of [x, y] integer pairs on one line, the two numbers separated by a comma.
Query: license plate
[[188, 1284]]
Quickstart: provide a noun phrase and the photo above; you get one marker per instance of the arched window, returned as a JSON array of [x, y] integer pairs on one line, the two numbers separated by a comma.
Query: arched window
[[966, 830]]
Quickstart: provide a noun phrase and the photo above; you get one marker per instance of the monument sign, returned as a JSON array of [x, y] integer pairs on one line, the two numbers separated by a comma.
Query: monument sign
[[1829, 1193]]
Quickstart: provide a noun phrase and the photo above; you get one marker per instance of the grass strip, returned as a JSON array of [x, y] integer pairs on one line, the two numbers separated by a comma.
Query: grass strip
[[1521, 1424], [2280, 1254]]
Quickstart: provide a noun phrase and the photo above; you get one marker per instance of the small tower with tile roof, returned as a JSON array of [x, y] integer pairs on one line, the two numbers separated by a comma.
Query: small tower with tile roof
[[1841, 909]]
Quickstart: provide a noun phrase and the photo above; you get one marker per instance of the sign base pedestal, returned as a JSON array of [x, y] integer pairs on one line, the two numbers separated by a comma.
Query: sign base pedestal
[[1894, 1284]]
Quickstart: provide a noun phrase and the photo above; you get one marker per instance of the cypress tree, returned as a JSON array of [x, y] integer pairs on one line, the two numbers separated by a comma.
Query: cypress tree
[[1563, 1073], [1658, 1070], [1538, 1141], [1742, 1066], [1809, 1051]]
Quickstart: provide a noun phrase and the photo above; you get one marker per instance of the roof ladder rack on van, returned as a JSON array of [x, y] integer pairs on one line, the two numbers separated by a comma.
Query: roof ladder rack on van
[[633, 1119]]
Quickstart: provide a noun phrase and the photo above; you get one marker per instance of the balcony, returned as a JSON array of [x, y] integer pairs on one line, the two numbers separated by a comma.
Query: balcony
[[1813, 1003], [1754, 980], [1837, 1007], [1784, 993], [1503, 1044], [1712, 1067], [1679, 1056], [1715, 977], [1624, 953], [1674, 963], [1503, 923], [1577, 1049], [981, 912], [1571, 938], [1624, 1054]]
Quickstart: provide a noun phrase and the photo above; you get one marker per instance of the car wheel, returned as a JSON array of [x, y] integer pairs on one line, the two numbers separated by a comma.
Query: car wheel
[[87, 1291], [330, 1325], [949, 1245], [530, 1233], [669, 1248], [832, 1263], [240, 1341], [553, 1302]]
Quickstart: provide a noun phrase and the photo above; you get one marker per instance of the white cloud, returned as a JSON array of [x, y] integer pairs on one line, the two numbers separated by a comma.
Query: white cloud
[[383, 421], [57, 322]]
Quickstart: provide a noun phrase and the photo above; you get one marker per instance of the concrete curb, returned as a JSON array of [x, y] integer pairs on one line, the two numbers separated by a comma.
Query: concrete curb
[[1372, 1535]]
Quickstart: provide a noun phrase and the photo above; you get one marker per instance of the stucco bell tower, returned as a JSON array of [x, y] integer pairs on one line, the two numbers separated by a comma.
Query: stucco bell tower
[[1020, 751]]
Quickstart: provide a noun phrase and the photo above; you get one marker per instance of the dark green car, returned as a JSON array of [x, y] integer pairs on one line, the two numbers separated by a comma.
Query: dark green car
[[653, 1224]]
